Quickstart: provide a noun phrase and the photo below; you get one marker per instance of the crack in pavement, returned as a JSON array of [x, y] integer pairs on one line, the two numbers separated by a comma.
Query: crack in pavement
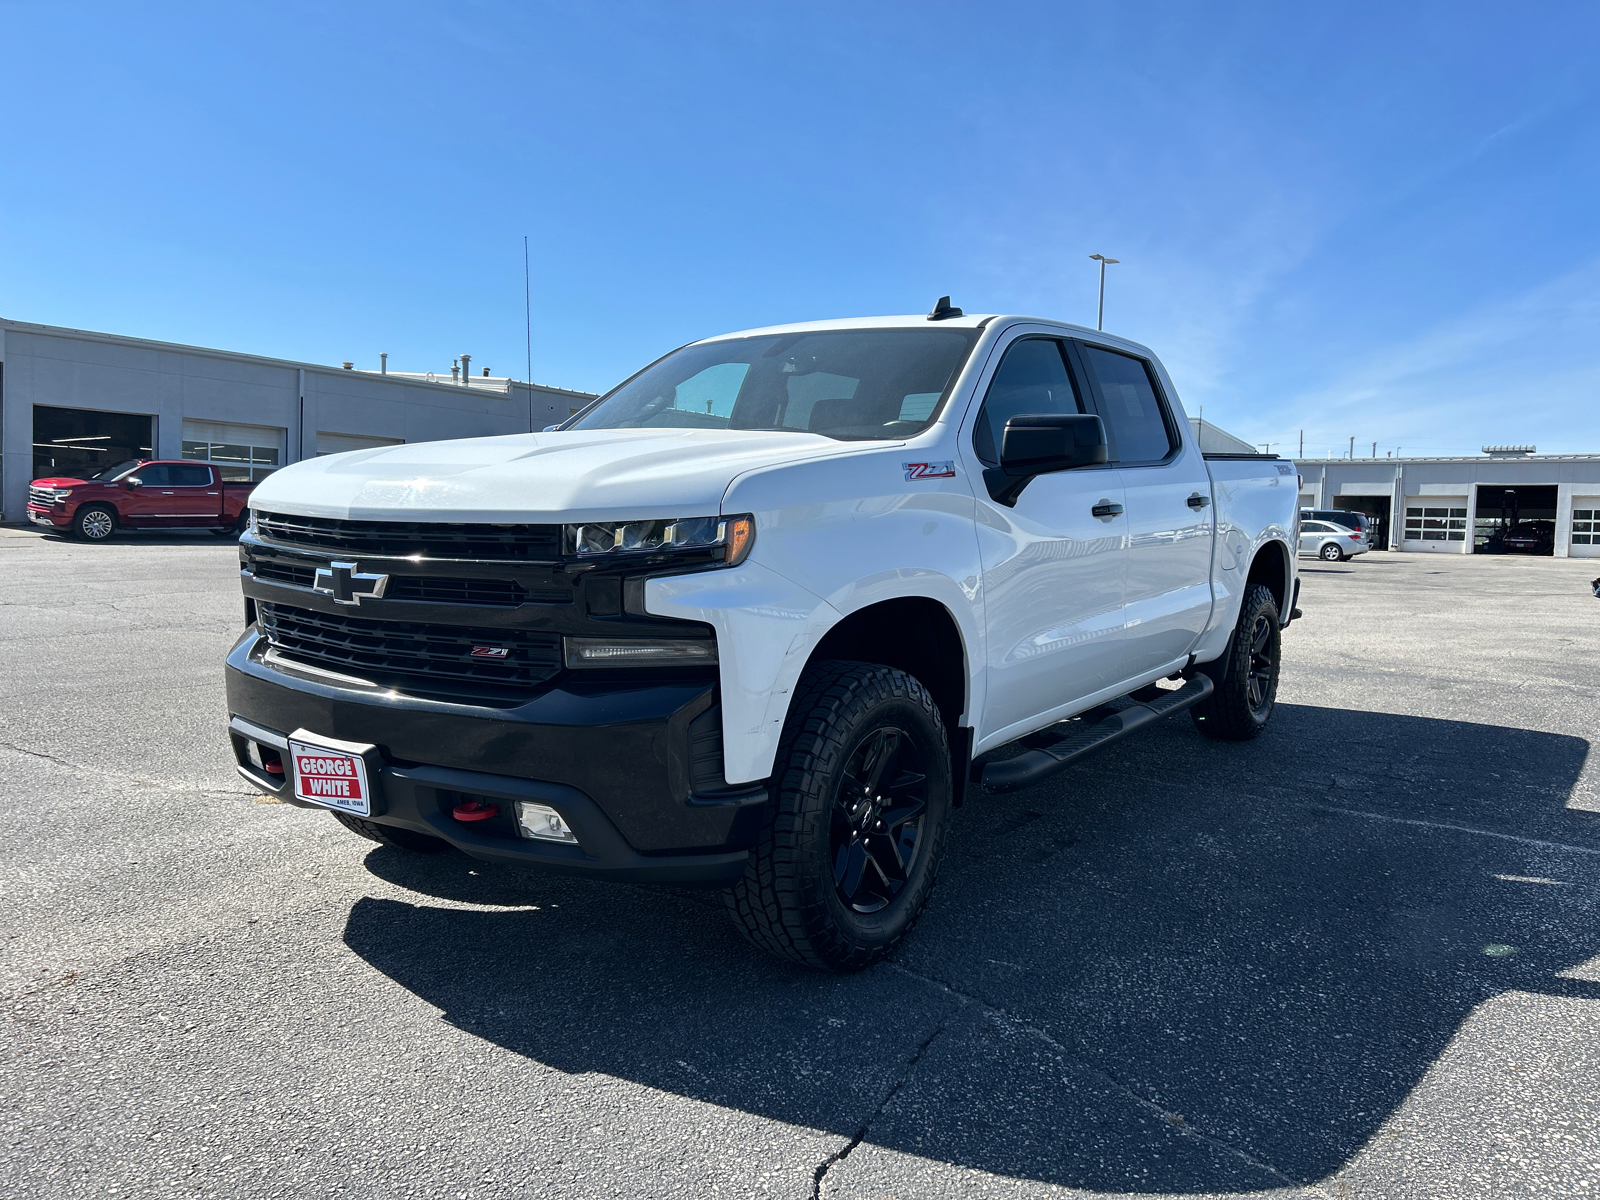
[[828, 1163], [38, 754], [175, 787], [1175, 1120]]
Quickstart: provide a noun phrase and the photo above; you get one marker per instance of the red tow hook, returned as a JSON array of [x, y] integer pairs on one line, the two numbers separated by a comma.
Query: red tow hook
[[271, 763], [474, 810]]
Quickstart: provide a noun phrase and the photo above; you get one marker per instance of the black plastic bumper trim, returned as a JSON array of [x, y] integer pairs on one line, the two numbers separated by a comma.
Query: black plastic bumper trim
[[409, 797]]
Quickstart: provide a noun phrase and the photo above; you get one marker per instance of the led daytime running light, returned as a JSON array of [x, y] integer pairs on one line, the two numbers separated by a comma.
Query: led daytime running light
[[630, 652]]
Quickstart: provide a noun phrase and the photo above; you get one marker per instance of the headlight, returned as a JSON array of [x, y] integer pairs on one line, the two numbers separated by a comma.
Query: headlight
[[61, 494], [734, 535]]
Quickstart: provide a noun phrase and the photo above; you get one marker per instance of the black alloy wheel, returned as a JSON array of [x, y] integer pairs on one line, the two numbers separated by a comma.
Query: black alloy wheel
[[876, 825], [1261, 680], [1246, 675]]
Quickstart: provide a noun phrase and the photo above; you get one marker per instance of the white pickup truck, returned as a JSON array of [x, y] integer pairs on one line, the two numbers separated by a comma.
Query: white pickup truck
[[761, 615]]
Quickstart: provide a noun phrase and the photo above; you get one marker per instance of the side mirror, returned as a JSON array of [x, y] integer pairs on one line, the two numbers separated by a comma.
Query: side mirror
[[133, 481], [1041, 444]]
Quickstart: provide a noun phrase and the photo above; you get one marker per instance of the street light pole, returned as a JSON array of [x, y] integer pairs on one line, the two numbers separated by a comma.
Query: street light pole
[[1100, 313]]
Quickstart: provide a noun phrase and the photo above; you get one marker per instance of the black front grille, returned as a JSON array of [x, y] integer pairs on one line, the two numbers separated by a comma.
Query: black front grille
[[503, 593], [282, 572], [425, 589], [400, 539], [413, 656]]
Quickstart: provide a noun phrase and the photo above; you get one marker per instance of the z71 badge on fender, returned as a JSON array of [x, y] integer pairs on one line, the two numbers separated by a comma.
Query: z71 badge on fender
[[931, 470]]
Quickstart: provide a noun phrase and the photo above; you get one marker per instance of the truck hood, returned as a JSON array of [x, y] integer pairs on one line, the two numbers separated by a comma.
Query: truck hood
[[539, 478], [59, 481]]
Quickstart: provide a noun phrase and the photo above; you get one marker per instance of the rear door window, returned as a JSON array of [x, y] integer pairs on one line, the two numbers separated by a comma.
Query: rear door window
[[1033, 378], [184, 475], [1136, 424]]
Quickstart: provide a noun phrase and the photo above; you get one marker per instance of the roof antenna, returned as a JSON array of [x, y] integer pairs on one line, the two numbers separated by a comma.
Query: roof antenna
[[942, 310]]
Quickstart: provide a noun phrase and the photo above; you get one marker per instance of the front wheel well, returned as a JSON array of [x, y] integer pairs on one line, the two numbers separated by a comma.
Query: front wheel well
[[913, 634]]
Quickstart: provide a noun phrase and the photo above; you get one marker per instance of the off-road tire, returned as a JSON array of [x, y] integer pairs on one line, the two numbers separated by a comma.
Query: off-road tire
[[389, 835], [94, 523], [788, 902], [1338, 555], [1232, 713]]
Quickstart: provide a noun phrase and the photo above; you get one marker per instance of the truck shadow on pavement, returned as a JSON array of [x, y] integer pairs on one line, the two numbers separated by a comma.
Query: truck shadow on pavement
[[1182, 967]]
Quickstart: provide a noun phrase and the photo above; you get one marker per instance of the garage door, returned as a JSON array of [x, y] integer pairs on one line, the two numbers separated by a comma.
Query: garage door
[[338, 443], [245, 453], [1585, 527], [1436, 523]]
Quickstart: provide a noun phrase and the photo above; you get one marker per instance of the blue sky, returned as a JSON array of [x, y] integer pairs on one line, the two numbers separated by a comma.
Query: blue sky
[[1372, 221]]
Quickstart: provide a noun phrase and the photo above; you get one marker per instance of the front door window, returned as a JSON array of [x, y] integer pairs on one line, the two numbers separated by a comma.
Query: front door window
[[1052, 570]]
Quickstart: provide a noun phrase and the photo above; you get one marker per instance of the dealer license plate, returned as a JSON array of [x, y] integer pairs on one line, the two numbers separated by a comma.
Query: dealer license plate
[[331, 776]]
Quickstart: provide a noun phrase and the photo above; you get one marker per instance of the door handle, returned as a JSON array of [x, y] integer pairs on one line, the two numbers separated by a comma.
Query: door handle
[[1198, 500], [1107, 509]]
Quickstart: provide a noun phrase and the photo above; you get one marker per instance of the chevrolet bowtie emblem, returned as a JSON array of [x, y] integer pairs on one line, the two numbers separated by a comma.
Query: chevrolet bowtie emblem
[[346, 585]]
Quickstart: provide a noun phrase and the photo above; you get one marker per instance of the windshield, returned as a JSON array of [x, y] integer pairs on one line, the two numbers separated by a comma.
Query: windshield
[[113, 473], [849, 384]]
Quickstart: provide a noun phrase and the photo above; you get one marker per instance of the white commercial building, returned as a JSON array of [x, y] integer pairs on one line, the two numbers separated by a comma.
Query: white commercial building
[[73, 401], [1459, 505]]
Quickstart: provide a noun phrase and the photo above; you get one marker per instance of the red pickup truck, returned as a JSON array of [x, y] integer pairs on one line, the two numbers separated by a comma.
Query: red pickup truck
[[140, 494]]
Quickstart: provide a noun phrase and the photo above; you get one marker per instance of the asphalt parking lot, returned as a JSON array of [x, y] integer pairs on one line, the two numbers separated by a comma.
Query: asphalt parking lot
[[1357, 957]]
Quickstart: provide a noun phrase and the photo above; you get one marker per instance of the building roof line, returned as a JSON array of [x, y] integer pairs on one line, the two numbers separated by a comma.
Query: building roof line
[[1465, 458], [62, 331]]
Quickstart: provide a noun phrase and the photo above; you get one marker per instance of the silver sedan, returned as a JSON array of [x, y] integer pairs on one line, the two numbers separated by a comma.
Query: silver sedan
[[1330, 542]]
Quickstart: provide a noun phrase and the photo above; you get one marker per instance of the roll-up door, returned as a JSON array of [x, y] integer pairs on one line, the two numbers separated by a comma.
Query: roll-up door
[[1585, 531], [1436, 523], [243, 453]]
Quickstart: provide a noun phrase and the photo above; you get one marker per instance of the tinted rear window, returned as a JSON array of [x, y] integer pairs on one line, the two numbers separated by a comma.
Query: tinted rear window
[[1135, 425]]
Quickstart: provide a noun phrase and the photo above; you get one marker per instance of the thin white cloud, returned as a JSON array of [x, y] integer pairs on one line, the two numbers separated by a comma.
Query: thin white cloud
[[1525, 368]]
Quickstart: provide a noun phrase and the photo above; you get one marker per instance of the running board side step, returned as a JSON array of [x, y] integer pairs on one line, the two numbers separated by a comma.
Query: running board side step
[[1028, 769]]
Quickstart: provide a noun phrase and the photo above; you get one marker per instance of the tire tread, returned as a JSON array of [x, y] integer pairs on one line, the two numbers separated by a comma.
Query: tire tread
[[771, 905]]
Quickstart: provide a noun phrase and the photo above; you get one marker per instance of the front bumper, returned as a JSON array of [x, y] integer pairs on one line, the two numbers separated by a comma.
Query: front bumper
[[612, 759], [50, 518]]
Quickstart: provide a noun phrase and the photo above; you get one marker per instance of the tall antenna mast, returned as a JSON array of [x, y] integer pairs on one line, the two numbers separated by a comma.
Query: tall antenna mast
[[527, 312]]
